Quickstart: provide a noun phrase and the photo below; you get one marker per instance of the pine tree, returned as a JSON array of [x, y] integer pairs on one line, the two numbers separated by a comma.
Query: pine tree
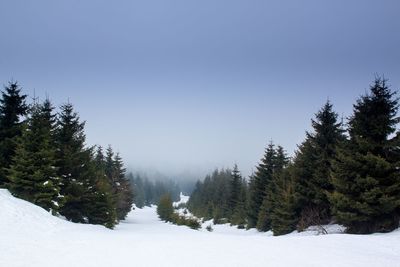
[[239, 216], [33, 175], [312, 167], [236, 189], [283, 217], [365, 174], [73, 165], [100, 207], [123, 189], [280, 161], [165, 210], [12, 108], [260, 181]]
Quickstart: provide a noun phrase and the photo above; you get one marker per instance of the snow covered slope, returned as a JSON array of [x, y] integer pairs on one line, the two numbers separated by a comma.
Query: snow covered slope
[[29, 236]]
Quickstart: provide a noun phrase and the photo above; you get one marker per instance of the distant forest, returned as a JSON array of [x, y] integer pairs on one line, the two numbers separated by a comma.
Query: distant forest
[[44, 159], [346, 173], [343, 172]]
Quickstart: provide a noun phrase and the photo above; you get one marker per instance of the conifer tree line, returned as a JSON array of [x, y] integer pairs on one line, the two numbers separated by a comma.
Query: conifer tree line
[[147, 192], [44, 159], [346, 173]]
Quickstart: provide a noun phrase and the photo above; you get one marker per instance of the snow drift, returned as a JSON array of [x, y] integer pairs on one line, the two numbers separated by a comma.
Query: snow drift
[[30, 236]]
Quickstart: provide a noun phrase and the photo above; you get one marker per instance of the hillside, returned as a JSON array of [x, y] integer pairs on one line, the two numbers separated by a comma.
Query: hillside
[[30, 236]]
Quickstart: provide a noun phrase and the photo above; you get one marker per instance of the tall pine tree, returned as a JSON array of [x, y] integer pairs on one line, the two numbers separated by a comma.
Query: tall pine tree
[[312, 167], [366, 172], [33, 173], [72, 162], [12, 108], [262, 178]]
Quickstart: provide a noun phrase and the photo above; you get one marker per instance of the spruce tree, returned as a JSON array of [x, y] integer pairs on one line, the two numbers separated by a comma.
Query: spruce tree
[[100, 204], [280, 161], [283, 217], [33, 173], [365, 174], [165, 210], [123, 189], [12, 109], [312, 167], [260, 181], [73, 161], [236, 189]]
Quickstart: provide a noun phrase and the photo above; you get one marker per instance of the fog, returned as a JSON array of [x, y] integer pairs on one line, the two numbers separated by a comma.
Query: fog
[[182, 87]]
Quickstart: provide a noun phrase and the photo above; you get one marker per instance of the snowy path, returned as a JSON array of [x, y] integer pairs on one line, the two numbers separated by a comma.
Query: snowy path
[[29, 236]]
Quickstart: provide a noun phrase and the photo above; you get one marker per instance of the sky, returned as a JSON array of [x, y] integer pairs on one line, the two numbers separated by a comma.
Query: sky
[[184, 86]]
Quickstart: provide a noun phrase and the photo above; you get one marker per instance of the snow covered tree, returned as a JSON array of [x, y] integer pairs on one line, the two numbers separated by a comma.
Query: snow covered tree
[[33, 173], [12, 108], [366, 172]]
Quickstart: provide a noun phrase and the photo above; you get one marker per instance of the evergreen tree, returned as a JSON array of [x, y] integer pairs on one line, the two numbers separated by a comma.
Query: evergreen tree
[[12, 108], [73, 165], [165, 210], [365, 174], [283, 217], [236, 189], [280, 161], [100, 206], [123, 189], [33, 175], [239, 216], [259, 183], [312, 168]]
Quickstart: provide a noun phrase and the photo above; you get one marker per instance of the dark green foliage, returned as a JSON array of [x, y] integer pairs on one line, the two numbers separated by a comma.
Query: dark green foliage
[[165, 210], [312, 166], [258, 186], [12, 108], [180, 220], [277, 162], [33, 175], [122, 187], [210, 198], [89, 195], [283, 215], [147, 193], [72, 162], [365, 174]]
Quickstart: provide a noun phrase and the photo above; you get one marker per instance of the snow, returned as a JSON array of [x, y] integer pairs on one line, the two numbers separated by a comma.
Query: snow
[[30, 236]]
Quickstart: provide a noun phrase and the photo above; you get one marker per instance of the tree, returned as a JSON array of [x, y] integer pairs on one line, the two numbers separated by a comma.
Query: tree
[[365, 174], [280, 161], [312, 167], [236, 189], [283, 217], [123, 189], [259, 183], [165, 210], [12, 108], [33, 173], [73, 161]]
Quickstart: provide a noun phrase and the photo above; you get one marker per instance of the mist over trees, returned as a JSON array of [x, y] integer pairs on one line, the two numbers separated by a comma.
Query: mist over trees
[[343, 173], [148, 192], [346, 173]]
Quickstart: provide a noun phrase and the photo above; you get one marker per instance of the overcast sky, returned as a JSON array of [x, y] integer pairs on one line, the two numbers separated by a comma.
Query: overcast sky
[[179, 85]]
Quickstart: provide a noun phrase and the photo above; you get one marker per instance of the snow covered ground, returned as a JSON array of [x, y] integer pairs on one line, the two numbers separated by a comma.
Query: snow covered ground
[[29, 236]]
